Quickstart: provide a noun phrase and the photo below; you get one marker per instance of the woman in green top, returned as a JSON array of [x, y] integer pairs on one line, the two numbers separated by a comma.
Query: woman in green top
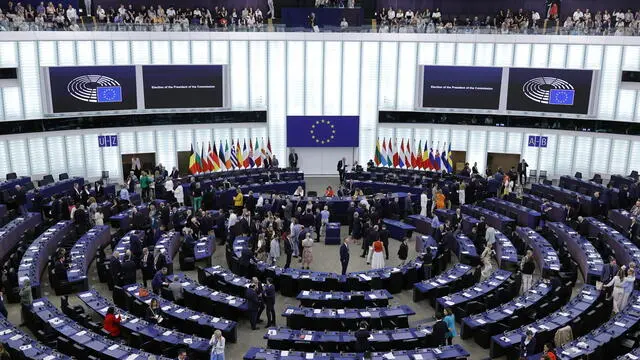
[[197, 197], [450, 320], [144, 185]]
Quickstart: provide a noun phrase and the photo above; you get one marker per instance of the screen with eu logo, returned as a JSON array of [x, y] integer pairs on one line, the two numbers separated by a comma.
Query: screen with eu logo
[[92, 88], [549, 90], [323, 131]]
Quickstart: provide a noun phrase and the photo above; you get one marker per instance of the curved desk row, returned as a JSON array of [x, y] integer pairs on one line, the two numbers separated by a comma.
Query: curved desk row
[[11, 233], [582, 251], [17, 342], [464, 249], [160, 335], [632, 355], [607, 337], [391, 317], [345, 341], [212, 302], [498, 221], [523, 215], [625, 250], [555, 211], [122, 220], [441, 284], [524, 303], [506, 253], [544, 254], [36, 258], [564, 196], [452, 352], [62, 187], [83, 252], [223, 198], [351, 299], [579, 306], [459, 299], [48, 316], [621, 219], [588, 187], [187, 319]]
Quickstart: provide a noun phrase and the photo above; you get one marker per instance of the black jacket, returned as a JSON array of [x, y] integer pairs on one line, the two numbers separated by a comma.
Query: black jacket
[[115, 267], [128, 272], [439, 331], [344, 253], [252, 299]]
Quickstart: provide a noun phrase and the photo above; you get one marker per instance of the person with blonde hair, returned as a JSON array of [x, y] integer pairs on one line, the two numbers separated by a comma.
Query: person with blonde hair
[[618, 290], [217, 343]]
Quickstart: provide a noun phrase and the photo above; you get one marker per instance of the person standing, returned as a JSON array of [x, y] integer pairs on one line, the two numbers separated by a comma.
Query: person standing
[[293, 159], [424, 202], [383, 235], [618, 290], [344, 255], [527, 345], [307, 252], [628, 285], [269, 295], [20, 198], [146, 266], [197, 197], [527, 266], [274, 250], [253, 304], [288, 249], [342, 168], [217, 344], [362, 336], [450, 320], [403, 251], [271, 13], [439, 331], [144, 186], [522, 171], [178, 193], [377, 260], [26, 299]]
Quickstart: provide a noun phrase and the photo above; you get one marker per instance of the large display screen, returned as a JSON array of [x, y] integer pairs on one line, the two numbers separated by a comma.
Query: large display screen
[[92, 88], [549, 90], [183, 86], [463, 87]]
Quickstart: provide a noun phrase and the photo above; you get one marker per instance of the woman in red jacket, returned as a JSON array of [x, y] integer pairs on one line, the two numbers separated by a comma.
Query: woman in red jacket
[[112, 322]]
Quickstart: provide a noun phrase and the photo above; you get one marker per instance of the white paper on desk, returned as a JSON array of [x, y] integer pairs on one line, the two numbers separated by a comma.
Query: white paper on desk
[[632, 357], [518, 304], [132, 357], [200, 288], [272, 332], [417, 357], [179, 311], [365, 314], [308, 337], [341, 311], [437, 351], [505, 339], [284, 353], [39, 303], [15, 337], [441, 281], [167, 333], [113, 347], [48, 357], [328, 296], [305, 293], [187, 340], [166, 307], [481, 322], [372, 296], [131, 288], [308, 356], [215, 319], [214, 293], [449, 303], [288, 311], [433, 284], [467, 295], [25, 347], [5, 332], [587, 297], [508, 311], [477, 289], [185, 284], [134, 321], [388, 355], [80, 333], [620, 324], [236, 280], [316, 311]]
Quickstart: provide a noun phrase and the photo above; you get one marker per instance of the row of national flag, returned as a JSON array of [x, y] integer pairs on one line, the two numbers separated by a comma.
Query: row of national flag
[[230, 157], [411, 156]]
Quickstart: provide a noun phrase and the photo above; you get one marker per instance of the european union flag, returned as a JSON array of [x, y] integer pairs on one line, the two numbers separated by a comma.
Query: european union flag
[[109, 94], [323, 131], [561, 97]]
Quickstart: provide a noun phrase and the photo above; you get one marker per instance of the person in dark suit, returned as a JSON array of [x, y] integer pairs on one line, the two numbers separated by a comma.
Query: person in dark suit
[[350, 210], [342, 168], [634, 229], [165, 215], [115, 267], [595, 204], [159, 280], [269, 296], [384, 235], [3, 309], [293, 159], [135, 245], [20, 198], [76, 194], [60, 269], [99, 191], [175, 173], [527, 345], [146, 266], [439, 331], [344, 255], [253, 303], [128, 269], [362, 339], [288, 250], [159, 259]]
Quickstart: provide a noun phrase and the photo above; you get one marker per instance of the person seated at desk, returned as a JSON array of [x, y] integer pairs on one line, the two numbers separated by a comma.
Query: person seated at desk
[[182, 355], [299, 192], [153, 312], [548, 353], [370, 165], [329, 192], [112, 322], [159, 280]]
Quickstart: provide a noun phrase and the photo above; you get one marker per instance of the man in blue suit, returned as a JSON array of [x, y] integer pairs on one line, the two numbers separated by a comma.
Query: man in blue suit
[[527, 345], [344, 255]]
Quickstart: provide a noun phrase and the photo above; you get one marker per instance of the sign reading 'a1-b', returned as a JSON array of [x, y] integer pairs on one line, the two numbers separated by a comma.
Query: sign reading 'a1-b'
[[538, 141]]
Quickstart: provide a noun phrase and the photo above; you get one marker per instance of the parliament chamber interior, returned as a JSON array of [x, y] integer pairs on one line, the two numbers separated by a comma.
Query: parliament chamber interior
[[329, 180]]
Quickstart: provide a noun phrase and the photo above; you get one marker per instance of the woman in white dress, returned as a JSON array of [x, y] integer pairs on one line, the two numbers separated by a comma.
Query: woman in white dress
[[274, 250], [178, 193], [487, 266], [424, 201], [618, 290], [377, 261]]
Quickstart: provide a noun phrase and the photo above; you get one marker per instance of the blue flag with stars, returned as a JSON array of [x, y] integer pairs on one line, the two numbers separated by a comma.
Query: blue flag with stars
[[323, 131], [109, 94]]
